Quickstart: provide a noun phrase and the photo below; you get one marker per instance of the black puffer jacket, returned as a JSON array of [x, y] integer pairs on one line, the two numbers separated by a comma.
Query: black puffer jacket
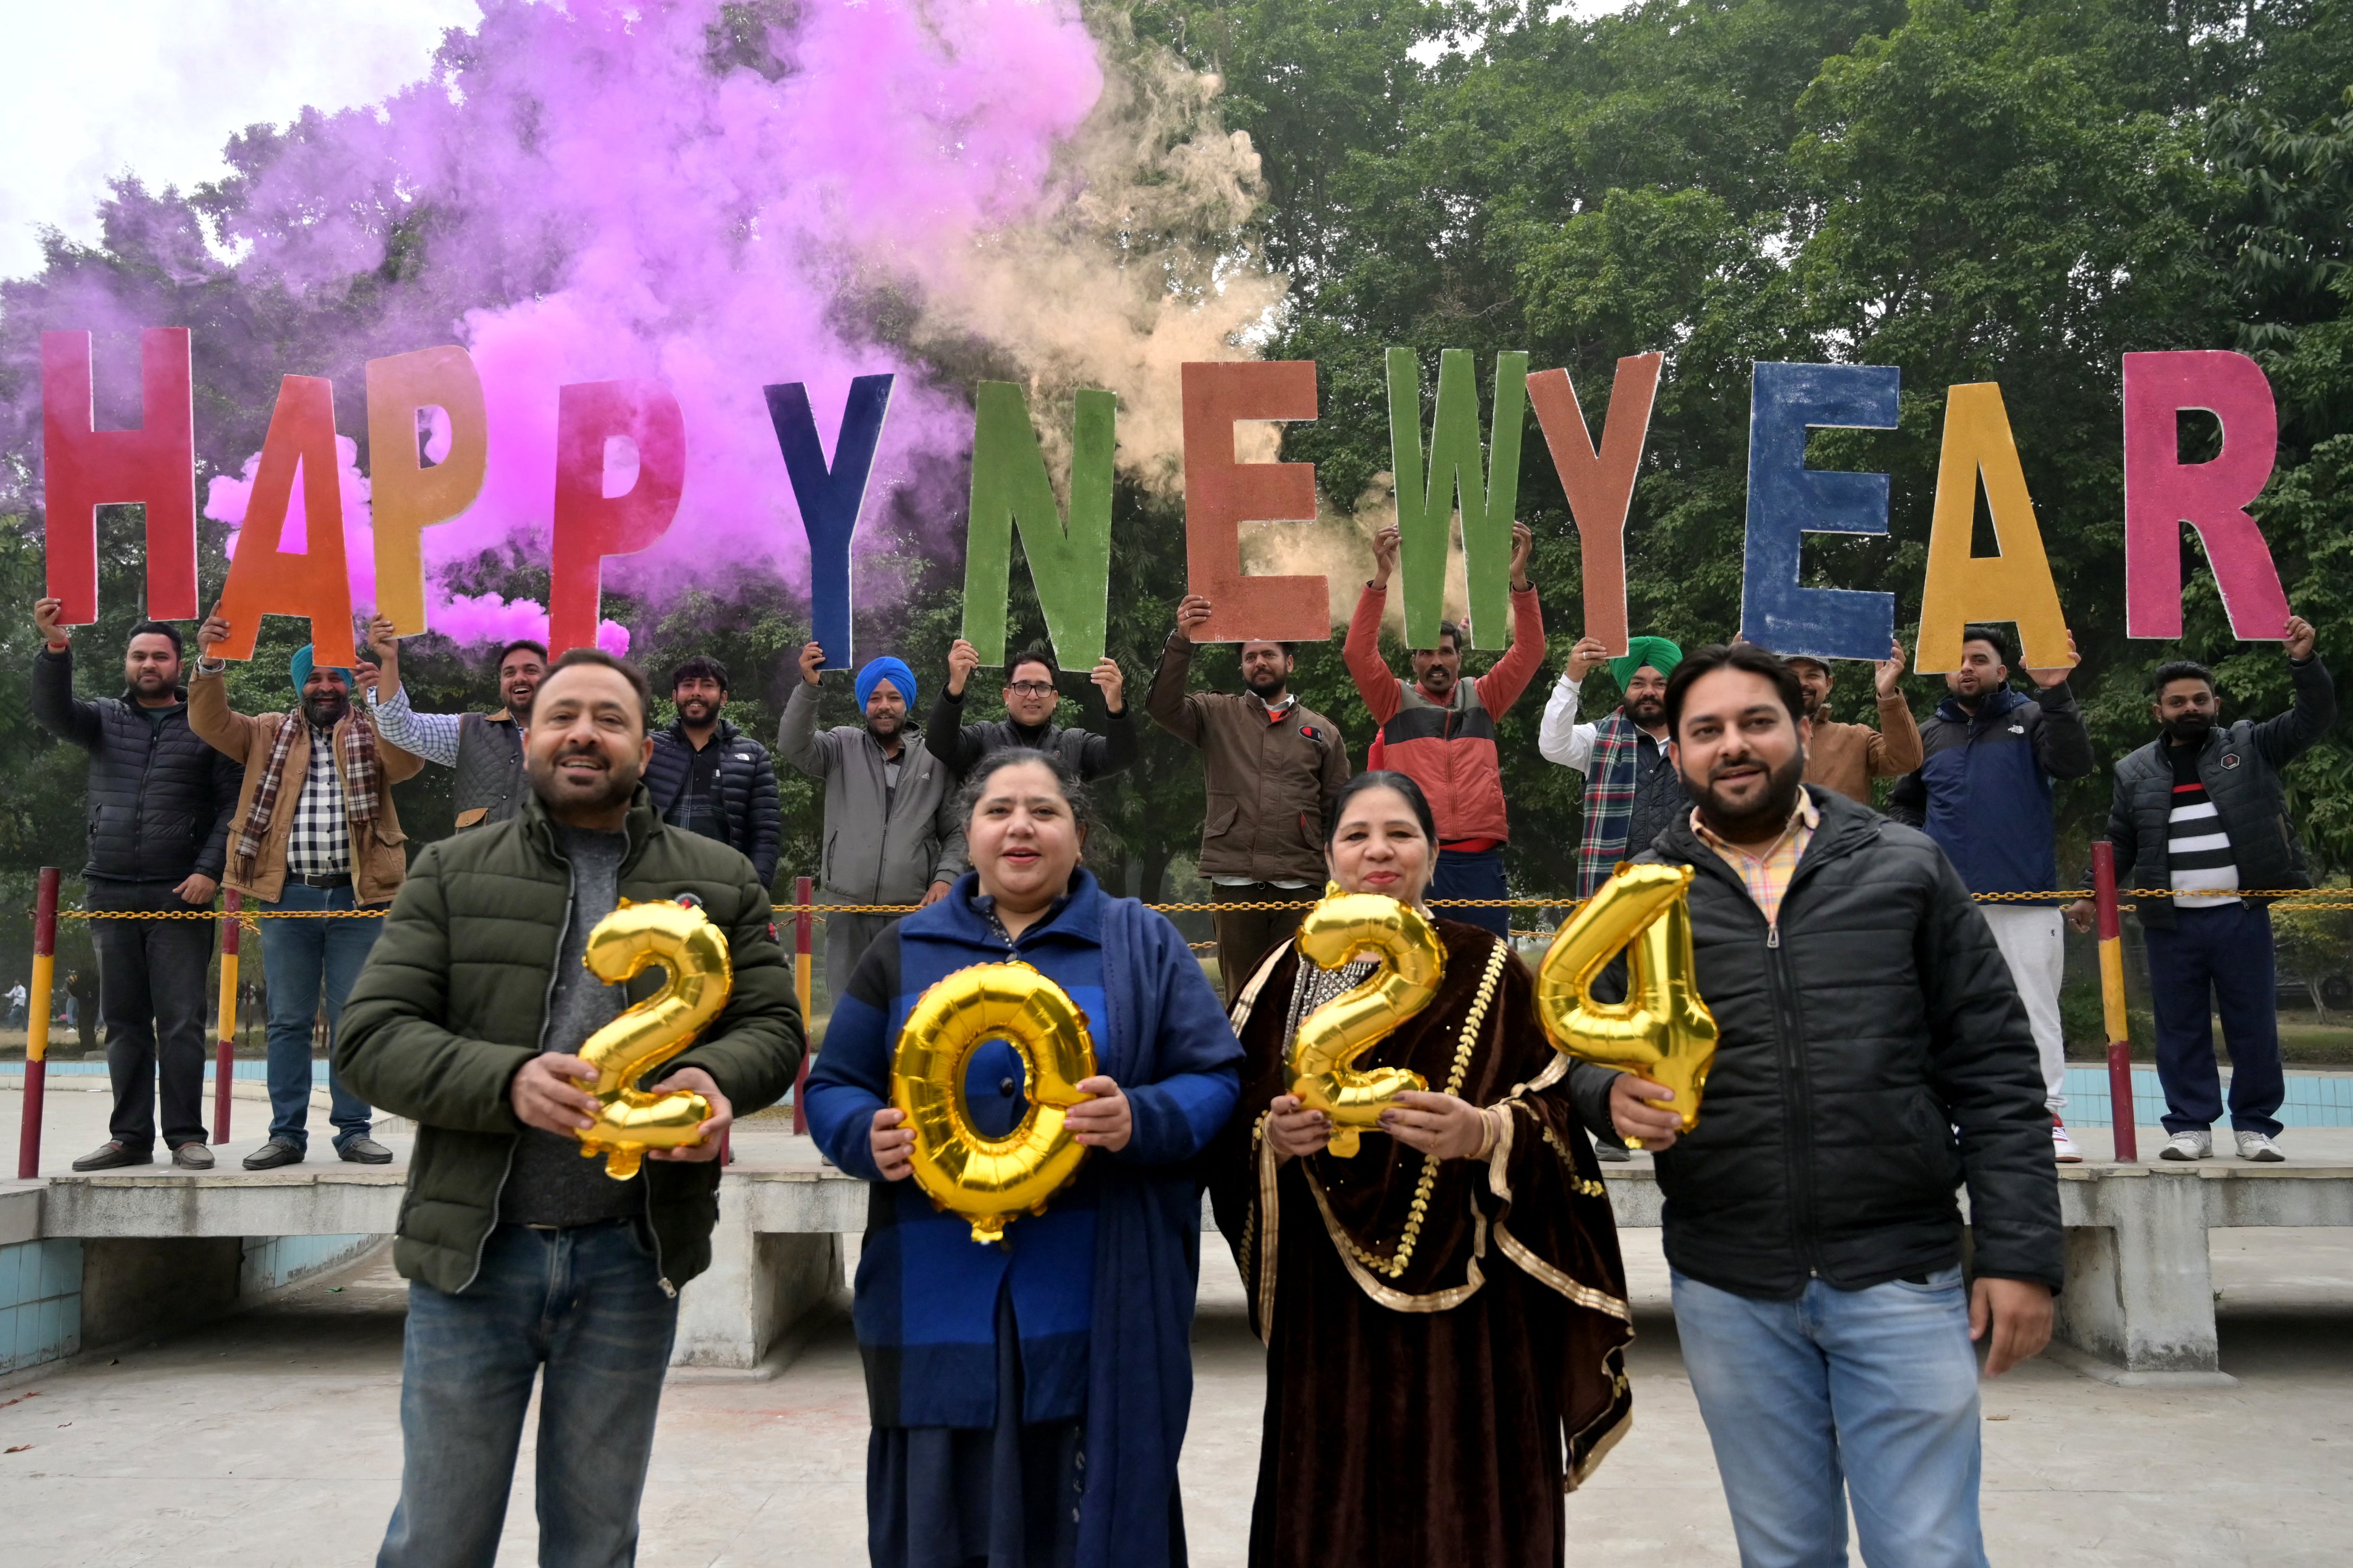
[[1855, 1038], [747, 789], [159, 799]]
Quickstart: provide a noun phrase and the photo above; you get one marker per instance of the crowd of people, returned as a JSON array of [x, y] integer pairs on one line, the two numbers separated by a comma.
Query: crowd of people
[[1444, 1312]]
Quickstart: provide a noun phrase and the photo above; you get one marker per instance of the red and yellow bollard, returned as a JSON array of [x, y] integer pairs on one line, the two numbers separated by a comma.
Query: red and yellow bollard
[[803, 893], [2112, 1000], [225, 1050], [37, 1024]]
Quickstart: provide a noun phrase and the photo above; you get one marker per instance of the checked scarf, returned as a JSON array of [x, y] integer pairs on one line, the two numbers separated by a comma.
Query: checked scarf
[[1608, 801], [362, 782]]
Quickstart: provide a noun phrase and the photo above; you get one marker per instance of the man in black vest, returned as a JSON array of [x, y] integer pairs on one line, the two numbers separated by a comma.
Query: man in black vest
[[158, 806], [709, 777], [2202, 810], [486, 749], [1032, 693]]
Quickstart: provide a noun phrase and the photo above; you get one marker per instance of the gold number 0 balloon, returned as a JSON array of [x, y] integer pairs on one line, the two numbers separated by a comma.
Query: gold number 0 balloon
[[1343, 928], [683, 941], [1662, 1030], [988, 1181]]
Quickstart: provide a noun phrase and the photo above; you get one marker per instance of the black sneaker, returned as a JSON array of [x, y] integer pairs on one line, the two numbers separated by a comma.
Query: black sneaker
[[192, 1157], [1610, 1154], [111, 1156], [365, 1152], [272, 1154]]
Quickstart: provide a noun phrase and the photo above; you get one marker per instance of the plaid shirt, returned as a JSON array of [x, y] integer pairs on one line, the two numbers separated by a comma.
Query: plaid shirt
[[319, 844], [1766, 875]]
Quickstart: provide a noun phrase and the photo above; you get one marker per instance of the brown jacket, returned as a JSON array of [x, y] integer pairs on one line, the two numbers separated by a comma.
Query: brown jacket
[[1847, 757], [1270, 780], [379, 850]]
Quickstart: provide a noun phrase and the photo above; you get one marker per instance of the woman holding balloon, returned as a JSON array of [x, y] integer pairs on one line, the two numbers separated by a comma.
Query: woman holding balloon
[[1443, 1309], [1030, 1394]]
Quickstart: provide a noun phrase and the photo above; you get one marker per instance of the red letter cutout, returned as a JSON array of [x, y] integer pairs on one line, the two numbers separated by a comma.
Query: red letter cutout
[[1601, 486], [2161, 491], [86, 468], [1221, 494], [590, 524], [264, 580]]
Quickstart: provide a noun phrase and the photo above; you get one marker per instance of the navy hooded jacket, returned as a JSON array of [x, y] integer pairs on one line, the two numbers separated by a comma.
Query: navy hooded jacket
[[1983, 792]]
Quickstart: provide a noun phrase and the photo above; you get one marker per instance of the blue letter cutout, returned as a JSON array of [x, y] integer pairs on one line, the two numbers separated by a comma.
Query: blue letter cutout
[[1788, 500], [830, 499]]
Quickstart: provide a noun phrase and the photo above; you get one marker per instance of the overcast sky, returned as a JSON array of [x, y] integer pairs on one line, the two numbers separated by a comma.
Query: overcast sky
[[97, 87]]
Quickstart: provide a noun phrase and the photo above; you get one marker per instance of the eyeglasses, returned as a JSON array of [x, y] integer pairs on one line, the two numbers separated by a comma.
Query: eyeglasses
[[1031, 687]]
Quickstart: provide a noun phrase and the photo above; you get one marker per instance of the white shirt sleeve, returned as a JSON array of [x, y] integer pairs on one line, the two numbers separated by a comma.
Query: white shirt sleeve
[[433, 736], [1561, 739]]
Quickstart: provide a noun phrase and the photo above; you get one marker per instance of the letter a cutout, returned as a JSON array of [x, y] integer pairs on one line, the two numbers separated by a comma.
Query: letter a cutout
[[2014, 585]]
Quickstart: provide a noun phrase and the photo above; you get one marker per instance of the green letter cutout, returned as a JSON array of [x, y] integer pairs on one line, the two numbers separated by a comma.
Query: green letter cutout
[[1070, 568], [1489, 494]]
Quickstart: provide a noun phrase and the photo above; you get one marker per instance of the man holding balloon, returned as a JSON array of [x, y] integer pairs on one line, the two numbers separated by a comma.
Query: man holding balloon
[[1873, 1055]]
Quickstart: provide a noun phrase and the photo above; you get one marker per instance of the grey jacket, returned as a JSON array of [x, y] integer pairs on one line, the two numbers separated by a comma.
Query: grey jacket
[[874, 853], [2240, 765]]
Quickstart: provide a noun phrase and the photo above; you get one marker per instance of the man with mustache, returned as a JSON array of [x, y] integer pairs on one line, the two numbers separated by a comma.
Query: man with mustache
[[159, 802], [2202, 809], [709, 777], [486, 749], [1873, 1056], [1983, 793], [1632, 793], [1272, 767], [526, 1263], [1847, 757], [891, 834], [314, 831], [1440, 729]]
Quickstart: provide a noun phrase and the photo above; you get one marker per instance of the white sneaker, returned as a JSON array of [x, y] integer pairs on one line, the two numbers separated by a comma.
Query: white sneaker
[[2063, 1148], [2196, 1145], [2257, 1146]]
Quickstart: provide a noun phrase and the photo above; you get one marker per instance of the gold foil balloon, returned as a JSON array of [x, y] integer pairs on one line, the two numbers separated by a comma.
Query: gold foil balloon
[[1342, 929], [988, 1181], [1662, 1030], [683, 941]]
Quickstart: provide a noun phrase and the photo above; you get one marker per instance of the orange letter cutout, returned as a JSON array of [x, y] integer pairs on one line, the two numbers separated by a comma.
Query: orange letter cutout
[[1221, 494], [265, 580], [2014, 585], [408, 497], [85, 467], [590, 524], [1601, 486]]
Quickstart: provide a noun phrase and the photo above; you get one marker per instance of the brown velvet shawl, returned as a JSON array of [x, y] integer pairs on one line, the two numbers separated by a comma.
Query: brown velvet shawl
[[1445, 1338]]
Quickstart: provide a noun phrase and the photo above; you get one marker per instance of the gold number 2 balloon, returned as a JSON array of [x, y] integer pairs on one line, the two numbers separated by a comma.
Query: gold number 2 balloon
[[682, 940], [1342, 929], [989, 1181], [1662, 1030]]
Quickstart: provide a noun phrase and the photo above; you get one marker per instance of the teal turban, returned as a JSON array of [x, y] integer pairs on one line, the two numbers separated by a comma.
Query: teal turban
[[1657, 652], [301, 669]]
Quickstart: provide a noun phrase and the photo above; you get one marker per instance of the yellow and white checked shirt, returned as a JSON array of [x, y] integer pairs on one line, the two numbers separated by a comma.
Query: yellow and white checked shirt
[[1766, 875]]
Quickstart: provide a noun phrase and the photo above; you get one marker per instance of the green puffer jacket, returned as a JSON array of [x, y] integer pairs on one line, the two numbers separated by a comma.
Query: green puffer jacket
[[454, 999]]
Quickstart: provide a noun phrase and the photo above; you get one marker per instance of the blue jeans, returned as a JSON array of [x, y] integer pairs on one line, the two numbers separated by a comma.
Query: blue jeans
[[582, 1309], [305, 962], [1478, 874], [1872, 1394], [2216, 960]]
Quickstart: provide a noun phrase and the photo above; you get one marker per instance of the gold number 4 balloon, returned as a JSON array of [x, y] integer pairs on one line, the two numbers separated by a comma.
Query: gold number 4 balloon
[[989, 1181], [1342, 929], [682, 940], [1662, 1030]]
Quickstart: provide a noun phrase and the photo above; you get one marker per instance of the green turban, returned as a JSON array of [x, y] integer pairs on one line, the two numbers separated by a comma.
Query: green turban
[[1657, 652]]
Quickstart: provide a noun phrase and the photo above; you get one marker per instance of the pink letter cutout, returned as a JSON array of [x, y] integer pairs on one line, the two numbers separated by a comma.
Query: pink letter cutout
[[85, 467], [2161, 491], [591, 525]]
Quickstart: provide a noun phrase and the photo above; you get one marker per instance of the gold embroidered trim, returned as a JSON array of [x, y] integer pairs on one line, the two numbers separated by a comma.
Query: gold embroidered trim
[[1270, 1203], [1389, 1296], [1581, 1184], [1544, 1273], [1601, 1447], [1401, 1259]]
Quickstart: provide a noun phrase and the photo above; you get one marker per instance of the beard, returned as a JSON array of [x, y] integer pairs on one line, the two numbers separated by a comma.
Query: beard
[[1648, 711], [152, 683], [695, 710], [620, 780], [2190, 729], [1779, 798], [326, 711], [1265, 685], [885, 726]]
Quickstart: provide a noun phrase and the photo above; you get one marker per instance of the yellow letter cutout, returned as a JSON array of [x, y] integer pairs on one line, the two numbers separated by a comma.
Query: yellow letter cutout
[[2014, 585]]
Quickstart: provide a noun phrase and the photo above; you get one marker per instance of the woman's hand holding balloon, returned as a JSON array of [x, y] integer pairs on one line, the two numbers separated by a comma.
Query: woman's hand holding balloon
[[1439, 1124]]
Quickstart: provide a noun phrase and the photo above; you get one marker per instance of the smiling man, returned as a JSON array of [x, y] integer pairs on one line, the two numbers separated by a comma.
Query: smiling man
[[1439, 729], [709, 777], [1032, 697], [1873, 1057], [526, 1262], [486, 749]]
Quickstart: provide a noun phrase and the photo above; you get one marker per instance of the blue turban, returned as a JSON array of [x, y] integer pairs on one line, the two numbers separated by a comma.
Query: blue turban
[[302, 669], [894, 670]]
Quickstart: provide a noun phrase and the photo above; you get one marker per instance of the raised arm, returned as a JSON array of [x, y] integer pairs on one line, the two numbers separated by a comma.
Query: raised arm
[[1115, 749], [797, 741], [432, 736], [1375, 683], [1895, 748], [1560, 738], [1166, 700], [55, 707], [1501, 686], [2283, 739]]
